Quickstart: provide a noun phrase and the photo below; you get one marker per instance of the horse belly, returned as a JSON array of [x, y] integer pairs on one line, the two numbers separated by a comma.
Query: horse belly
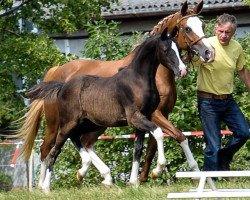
[[104, 110], [107, 118]]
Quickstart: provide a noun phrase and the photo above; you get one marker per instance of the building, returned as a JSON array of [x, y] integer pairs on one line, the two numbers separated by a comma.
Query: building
[[143, 15]]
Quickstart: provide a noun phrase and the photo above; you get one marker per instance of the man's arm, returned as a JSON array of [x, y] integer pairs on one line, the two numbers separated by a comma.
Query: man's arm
[[245, 77]]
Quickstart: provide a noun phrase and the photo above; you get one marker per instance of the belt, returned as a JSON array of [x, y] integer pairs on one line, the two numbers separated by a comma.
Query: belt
[[212, 96]]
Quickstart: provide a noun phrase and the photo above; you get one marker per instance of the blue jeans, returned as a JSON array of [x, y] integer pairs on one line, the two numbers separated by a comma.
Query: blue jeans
[[212, 112]]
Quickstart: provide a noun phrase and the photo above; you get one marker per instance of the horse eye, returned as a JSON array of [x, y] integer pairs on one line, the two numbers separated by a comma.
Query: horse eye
[[187, 29]]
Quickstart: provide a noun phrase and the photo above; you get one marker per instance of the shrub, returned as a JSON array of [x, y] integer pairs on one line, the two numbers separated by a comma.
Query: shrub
[[6, 182]]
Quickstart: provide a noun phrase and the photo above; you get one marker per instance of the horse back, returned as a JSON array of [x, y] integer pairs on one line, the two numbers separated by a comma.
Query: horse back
[[78, 67]]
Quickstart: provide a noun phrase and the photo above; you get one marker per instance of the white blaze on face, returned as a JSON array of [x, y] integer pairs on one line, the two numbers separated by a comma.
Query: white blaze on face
[[196, 25], [182, 66]]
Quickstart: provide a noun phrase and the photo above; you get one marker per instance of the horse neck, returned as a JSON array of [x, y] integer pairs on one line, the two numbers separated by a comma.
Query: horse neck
[[146, 62]]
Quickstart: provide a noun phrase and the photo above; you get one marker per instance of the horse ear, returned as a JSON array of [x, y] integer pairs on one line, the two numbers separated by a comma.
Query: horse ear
[[184, 8], [197, 9], [164, 34]]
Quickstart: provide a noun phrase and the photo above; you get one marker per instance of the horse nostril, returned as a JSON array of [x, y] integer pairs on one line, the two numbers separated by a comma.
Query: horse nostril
[[207, 54]]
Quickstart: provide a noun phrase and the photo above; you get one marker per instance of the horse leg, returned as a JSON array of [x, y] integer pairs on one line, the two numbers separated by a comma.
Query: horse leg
[[50, 161], [86, 162], [142, 123], [42, 174], [189, 155], [89, 156], [51, 130], [84, 136], [138, 147], [169, 128], [150, 153], [101, 166], [61, 138]]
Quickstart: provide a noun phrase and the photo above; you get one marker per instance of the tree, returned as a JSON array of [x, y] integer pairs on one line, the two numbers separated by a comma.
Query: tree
[[247, 2], [26, 56]]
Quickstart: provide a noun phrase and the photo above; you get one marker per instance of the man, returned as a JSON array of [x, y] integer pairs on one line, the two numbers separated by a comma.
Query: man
[[215, 101]]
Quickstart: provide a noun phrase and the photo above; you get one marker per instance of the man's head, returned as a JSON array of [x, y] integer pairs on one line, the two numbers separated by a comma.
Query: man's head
[[225, 28]]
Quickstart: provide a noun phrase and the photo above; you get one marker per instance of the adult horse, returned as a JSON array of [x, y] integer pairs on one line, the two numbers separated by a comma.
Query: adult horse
[[190, 37], [127, 98]]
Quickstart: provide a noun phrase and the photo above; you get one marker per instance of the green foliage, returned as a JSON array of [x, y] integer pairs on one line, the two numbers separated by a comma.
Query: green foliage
[[209, 29], [55, 16], [247, 2], [106, 42], [6, 182], [24, 60]]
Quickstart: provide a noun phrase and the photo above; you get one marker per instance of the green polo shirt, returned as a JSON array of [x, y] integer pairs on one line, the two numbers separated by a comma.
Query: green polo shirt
[[218, 77]]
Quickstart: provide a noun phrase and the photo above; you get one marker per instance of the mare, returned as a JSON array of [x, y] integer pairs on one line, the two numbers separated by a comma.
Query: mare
[[127, 98], [190, 37]]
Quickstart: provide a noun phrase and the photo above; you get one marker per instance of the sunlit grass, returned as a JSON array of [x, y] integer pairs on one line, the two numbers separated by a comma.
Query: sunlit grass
[[143, 192]]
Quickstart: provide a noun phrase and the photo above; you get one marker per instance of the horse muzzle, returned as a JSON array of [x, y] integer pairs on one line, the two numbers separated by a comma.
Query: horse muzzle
[[182, 70], [206, 55]]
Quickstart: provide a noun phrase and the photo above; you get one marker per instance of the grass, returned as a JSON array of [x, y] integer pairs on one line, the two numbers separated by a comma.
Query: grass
[[143, 192]]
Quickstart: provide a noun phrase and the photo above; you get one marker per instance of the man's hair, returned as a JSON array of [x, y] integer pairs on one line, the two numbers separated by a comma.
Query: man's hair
[[225, 18]]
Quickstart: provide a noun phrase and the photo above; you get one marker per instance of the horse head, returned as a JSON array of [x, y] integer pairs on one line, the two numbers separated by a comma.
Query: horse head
[[190, 34], [169, 54]]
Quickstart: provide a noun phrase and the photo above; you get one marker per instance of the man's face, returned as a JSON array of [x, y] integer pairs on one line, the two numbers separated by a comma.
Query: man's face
[[224, 33]]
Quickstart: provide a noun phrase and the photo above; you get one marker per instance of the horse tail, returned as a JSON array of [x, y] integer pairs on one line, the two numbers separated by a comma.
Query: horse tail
[[31, 120], [29, 129], [45, 90]]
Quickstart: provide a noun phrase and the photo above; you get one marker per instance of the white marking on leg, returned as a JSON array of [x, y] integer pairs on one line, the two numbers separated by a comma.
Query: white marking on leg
[[134, 174], [101, 166], [190, 158], [161, 161], [46, 183], [86, 162], [42, 174]]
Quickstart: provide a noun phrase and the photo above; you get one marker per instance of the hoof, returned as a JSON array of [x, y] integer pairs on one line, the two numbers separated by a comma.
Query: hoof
[[143, 178], [154, 175], [134, 184], [107, 184], [79, 176], [46, 190]]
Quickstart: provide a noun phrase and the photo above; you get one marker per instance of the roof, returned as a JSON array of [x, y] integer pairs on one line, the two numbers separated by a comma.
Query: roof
[[136, 8]]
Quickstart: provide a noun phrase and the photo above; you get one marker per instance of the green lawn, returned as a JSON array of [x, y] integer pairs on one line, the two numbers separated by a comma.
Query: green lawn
[[143, 192]]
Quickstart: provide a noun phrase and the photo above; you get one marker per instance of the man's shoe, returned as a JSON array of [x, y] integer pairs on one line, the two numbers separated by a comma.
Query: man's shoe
[[223, 161], [224, 166]]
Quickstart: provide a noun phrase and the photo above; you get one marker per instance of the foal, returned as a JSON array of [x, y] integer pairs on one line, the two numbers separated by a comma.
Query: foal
[[127, 98]]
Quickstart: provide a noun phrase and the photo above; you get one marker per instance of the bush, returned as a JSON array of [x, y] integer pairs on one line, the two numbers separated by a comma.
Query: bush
[[6, 182]]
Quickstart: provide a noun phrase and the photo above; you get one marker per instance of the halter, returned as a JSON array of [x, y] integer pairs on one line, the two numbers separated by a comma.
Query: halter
[[190, 53], [190, 44]]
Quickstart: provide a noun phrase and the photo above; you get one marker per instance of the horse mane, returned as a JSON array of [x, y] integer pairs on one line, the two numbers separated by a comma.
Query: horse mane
[[165, 21], [149, 42]]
